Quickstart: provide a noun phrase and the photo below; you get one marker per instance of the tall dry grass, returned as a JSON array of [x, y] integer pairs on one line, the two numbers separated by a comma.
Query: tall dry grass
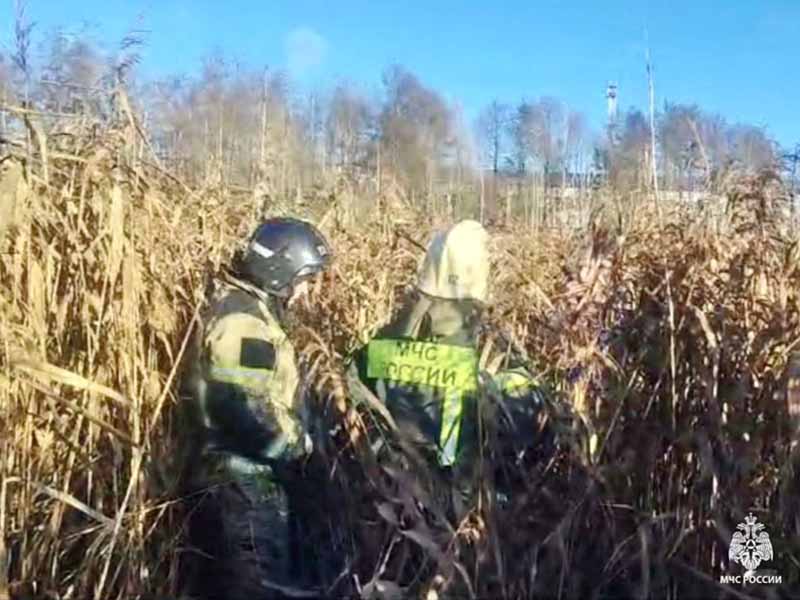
[[102, 270], [667, 334]]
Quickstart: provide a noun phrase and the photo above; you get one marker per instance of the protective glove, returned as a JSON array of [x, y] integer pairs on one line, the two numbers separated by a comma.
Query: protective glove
[[281, 449], [308, 445]]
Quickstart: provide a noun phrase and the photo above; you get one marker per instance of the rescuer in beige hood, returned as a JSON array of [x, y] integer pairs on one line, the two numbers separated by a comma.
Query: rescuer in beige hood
[[424, 365]]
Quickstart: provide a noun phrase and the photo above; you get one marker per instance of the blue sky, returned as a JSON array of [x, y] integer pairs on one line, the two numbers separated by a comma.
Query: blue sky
[[737, 57]]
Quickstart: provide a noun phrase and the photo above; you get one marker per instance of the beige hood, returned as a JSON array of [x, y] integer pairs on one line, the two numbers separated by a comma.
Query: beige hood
[[456, 265]]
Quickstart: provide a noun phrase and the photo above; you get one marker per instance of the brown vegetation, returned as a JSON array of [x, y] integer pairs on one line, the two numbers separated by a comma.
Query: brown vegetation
[[667, 334], [665, 328]]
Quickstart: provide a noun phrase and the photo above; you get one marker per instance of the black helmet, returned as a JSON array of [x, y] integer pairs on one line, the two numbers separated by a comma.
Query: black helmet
[[282, 252]]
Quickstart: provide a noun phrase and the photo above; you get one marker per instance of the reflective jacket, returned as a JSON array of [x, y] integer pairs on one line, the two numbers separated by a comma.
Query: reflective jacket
[[425, 367], [243, 402]]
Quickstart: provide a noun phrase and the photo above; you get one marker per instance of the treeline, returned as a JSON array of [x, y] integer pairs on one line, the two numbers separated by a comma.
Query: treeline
[[242, 126]]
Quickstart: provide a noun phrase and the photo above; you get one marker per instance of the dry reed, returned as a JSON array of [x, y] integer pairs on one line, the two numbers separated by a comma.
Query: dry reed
[[667, 337]]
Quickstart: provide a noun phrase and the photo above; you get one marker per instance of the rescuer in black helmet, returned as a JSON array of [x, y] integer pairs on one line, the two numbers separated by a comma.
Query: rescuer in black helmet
[[242, 425]]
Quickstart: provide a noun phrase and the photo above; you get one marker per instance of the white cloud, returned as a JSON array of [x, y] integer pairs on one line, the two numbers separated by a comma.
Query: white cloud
[[305, 50]]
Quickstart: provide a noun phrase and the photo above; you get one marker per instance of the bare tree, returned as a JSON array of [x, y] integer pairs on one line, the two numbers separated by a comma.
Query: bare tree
[[517, 127], [680, 148], [491, 127], [347, 127], [751, 147], [5, 92], [575, 145], [22, 43], [652, 112], [416, 127], [696, 143], [541, 133], [629, 165], [71, 73]]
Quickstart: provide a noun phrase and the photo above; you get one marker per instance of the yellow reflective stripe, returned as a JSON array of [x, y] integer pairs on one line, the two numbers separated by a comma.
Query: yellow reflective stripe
[[240, 375], [451, 427], [519, 384], [278, 445], [512, 380], [423, 363]]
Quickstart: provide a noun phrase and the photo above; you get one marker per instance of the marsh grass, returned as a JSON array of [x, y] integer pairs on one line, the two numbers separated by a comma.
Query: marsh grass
[[667, 335]]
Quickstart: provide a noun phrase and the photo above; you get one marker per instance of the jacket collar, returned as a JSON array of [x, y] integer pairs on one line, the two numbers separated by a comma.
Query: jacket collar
[[426, 317], [272, 303]]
